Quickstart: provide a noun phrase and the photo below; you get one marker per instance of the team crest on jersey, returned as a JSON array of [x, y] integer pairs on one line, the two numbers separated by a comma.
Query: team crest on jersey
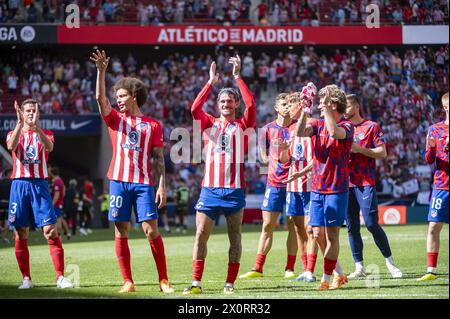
[[31, 152], [133, 137], [231, 128], [115, 212], [298, 154], [141, 126], [434, 213]]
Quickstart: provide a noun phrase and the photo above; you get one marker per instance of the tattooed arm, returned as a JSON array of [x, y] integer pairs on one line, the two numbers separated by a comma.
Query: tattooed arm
[[160, 173]]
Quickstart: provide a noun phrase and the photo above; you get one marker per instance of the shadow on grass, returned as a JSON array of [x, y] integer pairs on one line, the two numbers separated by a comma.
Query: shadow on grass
[[36, 237]]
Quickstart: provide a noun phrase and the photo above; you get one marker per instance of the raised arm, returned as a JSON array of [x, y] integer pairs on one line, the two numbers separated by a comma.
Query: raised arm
[[249, 118], [197, 106], [430, 150], [303, 128], [101, 62], [13, 139], [336, 132]]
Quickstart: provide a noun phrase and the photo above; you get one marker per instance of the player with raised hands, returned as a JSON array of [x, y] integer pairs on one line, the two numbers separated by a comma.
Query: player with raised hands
[[135, 139], [30, 197], [223, 182]]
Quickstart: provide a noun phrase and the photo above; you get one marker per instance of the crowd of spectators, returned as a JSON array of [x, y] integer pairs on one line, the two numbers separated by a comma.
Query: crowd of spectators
[[401, 91], [265, 12]]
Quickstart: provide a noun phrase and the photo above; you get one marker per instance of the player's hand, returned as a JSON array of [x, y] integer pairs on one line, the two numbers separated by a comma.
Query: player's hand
[[236, 61], [355, 148], [293, 177], [161, 197], [283, 146], [100, 59], [213, 76], [18, 113], [431, 142]]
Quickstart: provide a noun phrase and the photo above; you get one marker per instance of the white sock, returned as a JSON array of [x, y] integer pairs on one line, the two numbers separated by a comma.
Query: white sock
[[431, 269], [196, 283], [390, 261], [326, 277], [338, 269], [360, 266]]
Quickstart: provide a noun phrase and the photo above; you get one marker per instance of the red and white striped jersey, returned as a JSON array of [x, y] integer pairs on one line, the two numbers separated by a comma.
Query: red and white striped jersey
[[132, 139], [30, 157], [225, 142], [301, 154]]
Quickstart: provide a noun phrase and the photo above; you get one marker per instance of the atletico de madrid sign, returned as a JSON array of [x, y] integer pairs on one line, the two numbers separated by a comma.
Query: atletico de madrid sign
[[212, 35]]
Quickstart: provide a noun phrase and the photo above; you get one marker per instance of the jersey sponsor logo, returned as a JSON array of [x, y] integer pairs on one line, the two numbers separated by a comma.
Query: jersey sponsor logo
[[332, 221], [298, 154], [31, 152], [46, 220], [133, 137]]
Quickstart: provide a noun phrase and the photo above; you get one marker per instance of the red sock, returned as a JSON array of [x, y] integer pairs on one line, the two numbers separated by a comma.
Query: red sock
[[23, 256], [259, 262], [304, 261], [311, 264], [290, 262], [159, 255], [123, 257], [328, 266], [432, 259], [57, 253], [233, 269], [197, 269]]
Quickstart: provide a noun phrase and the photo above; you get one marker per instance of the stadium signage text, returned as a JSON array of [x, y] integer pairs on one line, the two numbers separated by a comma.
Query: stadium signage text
[[250, 35], [59, 124], [27, 34], [229, 35]]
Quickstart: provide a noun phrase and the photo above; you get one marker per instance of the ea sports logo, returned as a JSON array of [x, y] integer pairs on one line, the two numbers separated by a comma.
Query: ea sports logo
[[30, 152], [133, 137], [27, 34], [391, 216]]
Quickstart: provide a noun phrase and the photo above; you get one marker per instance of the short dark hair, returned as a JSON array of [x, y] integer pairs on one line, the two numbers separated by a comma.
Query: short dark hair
[[135, 87], [30, 101], [353, 99], [229, 91], [55, 171]]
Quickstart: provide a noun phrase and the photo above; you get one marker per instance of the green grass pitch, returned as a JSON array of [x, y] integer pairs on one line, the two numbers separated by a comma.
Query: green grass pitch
[[100, 277]]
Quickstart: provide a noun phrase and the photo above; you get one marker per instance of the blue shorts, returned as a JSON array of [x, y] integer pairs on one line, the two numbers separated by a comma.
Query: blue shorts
[[124, 196], [274, 199], [30, 198], [298, 203], [438, 211], [214, 200], [328, 209], [58, 212]]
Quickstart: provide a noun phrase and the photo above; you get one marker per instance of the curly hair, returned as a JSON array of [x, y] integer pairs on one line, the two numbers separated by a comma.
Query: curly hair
[[135, 87], [337, 96]]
